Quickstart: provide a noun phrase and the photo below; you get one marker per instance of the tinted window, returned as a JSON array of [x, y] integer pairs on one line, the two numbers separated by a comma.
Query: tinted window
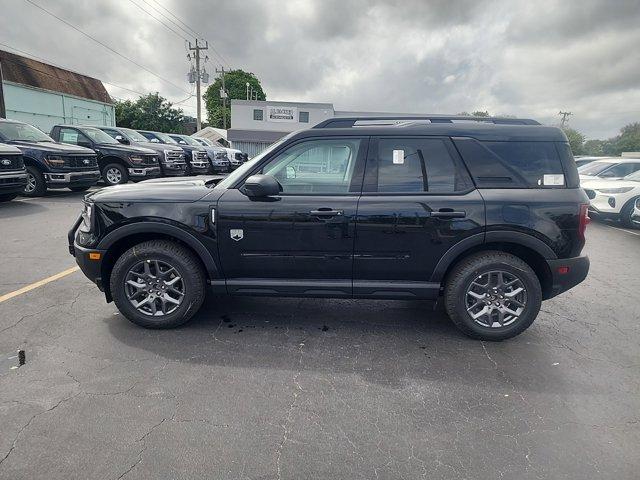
[[594, 168], [316, 167], [532, 160], [620, 170], [418, 165]]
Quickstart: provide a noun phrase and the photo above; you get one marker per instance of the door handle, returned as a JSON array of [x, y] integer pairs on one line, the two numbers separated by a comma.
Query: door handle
[[326, 212], [449, 213]]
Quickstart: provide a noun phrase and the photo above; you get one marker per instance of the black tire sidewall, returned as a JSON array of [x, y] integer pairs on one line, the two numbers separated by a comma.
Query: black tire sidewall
[[182, 314], [123, 171], [41, 185], [625, 214], [464, 321]]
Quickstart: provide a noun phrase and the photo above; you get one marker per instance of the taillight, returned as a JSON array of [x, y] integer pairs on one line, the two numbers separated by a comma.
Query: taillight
[[584, 220]]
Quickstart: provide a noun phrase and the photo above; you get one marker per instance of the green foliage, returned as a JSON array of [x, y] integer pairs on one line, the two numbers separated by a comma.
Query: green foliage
[[236, 86], [150, 112], [576, 140], [477, 113], [627, 141]]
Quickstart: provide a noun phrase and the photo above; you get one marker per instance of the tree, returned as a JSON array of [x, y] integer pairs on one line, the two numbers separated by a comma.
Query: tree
[[628, 140], [150, 112], [576, 140], [235, 82], [477, 113]]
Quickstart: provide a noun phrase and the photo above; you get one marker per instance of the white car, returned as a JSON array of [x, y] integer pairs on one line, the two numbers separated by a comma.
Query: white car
[[617, 199], [611, 168]]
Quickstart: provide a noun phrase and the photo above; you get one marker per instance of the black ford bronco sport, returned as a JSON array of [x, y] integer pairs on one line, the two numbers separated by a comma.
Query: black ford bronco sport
[[485, 212]]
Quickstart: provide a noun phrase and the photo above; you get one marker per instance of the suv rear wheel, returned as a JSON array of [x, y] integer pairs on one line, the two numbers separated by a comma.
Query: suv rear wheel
[[115, 174], [158, 284], [492, 295]]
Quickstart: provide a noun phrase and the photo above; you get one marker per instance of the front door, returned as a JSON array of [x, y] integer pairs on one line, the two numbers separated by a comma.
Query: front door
[[301, 241], [417, 202]]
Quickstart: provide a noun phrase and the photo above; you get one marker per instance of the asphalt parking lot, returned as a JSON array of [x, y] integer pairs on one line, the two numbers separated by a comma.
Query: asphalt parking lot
[[288, 389]]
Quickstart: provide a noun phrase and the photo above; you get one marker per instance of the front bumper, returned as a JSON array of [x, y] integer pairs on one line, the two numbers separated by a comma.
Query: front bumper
[[174, 169], [147, 172], [92, 268], [566, 273], [71, 179], [606, 203], [12, 182]]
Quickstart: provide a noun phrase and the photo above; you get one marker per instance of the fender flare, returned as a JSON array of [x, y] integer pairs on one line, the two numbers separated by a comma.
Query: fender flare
[[166, 229], [517, 238]]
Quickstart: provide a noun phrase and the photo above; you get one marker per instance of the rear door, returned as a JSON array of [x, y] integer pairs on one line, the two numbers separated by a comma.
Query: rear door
[[301, 241], [418, 201]]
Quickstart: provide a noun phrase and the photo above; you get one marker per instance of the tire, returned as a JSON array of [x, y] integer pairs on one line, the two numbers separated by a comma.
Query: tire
[[158, 252], [36, 186], [476, 268], [625, 214], [115, 174], [80, 189], [7, 197]]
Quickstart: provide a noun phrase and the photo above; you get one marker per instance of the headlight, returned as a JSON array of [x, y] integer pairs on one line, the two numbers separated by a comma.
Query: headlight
[[193, 155], [54, 161], [166, 156], [87, 218], [136, 160], [615, 190]]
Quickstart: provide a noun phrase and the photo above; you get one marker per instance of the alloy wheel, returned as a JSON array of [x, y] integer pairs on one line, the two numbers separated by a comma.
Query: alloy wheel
[[154, 287], [31, 183], [114, 176], [496, 299]]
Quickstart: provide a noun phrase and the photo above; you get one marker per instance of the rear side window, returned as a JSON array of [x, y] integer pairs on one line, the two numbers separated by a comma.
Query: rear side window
[[418, 165], [513, 164]]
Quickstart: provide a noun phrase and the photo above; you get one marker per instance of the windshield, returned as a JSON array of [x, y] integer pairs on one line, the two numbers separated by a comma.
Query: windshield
[[594, 168], [634, 177], [246, 167], [165, 138], [188, 140], [135, 136], [98, 136], [22, 131], [205, 142]]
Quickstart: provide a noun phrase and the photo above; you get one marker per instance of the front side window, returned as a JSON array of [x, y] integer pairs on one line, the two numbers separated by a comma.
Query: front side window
[[418, 165], [323, 166], [258, 114], [71, 136]]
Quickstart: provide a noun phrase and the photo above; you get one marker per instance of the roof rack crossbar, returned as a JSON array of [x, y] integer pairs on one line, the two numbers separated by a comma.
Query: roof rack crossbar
[[349, 122]]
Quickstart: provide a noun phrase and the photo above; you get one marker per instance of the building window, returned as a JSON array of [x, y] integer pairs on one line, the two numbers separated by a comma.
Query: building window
[[257, 114], [303, 117]]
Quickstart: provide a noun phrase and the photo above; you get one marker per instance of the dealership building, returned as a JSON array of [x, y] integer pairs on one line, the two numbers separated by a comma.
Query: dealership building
[[257, 124]]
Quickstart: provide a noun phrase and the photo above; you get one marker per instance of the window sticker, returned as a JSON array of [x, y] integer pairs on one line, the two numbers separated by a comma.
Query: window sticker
[[398, 157], [553, 180]]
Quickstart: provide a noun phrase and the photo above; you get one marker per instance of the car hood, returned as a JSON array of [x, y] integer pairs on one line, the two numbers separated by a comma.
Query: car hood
[[118, 147], [598, 183], [54, 147], [158, 147], [189, 190]]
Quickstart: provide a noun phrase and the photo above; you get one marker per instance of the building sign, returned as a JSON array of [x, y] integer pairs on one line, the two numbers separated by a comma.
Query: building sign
[[281, 114]]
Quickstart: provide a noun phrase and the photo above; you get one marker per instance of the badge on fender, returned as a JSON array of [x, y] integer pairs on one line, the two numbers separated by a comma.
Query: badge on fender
[[236, 234]]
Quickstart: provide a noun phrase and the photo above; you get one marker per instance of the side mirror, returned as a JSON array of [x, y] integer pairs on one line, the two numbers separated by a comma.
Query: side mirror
[[154, 140], [122, 140], [261, 186]]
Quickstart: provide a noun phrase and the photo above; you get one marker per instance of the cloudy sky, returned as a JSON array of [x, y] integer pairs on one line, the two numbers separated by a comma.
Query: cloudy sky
[[525, 58]]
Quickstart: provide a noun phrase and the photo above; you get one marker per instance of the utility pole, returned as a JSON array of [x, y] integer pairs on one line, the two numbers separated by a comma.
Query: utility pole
[[197, 49], [223, 95], [565, 115], [3, 111]]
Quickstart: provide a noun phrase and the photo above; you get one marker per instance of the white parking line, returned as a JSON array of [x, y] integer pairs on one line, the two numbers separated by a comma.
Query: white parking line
[[623, 230]]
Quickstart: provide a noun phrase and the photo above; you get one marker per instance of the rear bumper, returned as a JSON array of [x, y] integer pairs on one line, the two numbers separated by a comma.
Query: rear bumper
[[12, 182], [576, 270], [71, 179]]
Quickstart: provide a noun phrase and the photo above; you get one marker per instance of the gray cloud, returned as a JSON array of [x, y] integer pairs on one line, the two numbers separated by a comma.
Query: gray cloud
[[441, 56]]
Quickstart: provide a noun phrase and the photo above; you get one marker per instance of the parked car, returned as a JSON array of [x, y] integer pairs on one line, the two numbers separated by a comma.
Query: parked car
[[218, 163], [196, 156], [614, 198], [13, 176], [171, 157], [584, 160], [611, 168], [635, 215], [235, 157], [50, 164], [488, 216], [118, 163]]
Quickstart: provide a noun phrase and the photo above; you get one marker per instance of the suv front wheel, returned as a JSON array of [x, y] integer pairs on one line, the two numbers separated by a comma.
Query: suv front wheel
[[158, 284], [492, 295]]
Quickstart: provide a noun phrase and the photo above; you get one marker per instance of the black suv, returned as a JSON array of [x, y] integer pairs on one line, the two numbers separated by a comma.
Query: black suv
[[50, 164], [172, 157], [13, 176], [118, 163], [486, 213], [196, 156]]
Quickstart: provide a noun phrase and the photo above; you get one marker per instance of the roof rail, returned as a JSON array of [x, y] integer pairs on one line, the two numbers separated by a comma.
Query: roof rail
[[348, 122]]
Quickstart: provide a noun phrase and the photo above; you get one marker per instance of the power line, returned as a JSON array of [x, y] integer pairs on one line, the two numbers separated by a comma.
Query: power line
[[105, 45], [159, 21], [155, 9], [565, 115]]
